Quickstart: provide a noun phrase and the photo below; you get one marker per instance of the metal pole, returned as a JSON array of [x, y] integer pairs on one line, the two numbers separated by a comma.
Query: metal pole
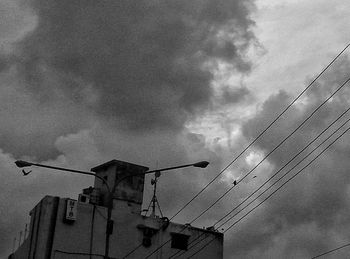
[[168, 168], [154, 198], [109, 224], [20, 163]]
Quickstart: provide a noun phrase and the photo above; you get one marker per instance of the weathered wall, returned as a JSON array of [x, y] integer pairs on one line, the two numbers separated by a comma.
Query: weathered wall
[[86, 235], [42, 226], [128, 234]]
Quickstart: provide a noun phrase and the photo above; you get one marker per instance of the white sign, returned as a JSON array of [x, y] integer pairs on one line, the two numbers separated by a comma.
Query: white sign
[[71, 210]]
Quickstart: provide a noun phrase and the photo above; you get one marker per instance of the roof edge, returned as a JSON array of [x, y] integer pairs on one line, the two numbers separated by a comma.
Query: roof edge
[[116, 162]]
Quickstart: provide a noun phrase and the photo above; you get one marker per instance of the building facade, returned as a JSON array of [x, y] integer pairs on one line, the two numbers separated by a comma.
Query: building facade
[[67, 228]]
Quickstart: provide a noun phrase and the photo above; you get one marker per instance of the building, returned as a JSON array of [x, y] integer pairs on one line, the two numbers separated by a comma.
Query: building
[[66, 228]]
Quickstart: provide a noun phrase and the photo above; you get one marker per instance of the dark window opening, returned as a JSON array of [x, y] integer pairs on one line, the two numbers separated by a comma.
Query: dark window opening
[[179, 241]]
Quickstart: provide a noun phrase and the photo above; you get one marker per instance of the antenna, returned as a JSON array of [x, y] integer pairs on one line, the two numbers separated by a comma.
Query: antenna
[[154, 201]]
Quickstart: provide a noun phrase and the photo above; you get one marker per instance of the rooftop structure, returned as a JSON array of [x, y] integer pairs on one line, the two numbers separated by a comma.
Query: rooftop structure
[[68, 228]]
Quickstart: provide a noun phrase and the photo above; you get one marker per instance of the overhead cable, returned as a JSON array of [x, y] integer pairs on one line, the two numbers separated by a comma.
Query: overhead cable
[[271, 177], [265, 157], [274, 149], [251, 143], [270, 195], [331, 251], [260, 134], [195, 241]]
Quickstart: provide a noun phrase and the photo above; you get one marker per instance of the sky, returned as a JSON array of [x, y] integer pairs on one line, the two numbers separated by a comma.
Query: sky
[[163, 83]]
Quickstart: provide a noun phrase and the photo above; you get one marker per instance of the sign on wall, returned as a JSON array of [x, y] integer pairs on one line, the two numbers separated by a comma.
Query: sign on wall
[[71, 210]]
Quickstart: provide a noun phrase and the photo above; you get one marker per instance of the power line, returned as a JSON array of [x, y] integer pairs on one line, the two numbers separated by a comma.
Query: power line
[[251, 143], [261, 133], [275, 174], [245, 215], [285, 139], [330, 251], [255, 207], [284, 174], [272, 184], [137, 247], [309, 144], [276, 147], [75, 253]]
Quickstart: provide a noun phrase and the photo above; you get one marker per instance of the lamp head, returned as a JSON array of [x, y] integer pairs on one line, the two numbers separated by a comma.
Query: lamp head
[[202, 164], [21, 163]]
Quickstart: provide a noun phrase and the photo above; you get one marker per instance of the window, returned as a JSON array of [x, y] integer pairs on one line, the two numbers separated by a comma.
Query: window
[[179, 241], [83, 199]]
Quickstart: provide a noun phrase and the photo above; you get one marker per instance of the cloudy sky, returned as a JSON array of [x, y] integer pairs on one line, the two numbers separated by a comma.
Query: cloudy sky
[[161, 83]]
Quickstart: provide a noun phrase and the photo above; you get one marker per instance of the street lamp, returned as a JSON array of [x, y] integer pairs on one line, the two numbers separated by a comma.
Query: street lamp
[[21, 164]]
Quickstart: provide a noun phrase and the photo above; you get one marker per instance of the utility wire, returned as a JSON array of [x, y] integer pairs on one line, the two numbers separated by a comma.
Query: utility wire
[[261, 133], [137, 247], [309, 144], [284, 140], [276, 147], [265, 189], [330, 251], [286, 173], [271, 178], [255, 207], [251, 143], [286, 164], [75, 253]]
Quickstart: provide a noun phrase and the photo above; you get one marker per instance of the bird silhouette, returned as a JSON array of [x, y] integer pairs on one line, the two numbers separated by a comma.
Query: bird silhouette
[[26, 173], [234, 182]]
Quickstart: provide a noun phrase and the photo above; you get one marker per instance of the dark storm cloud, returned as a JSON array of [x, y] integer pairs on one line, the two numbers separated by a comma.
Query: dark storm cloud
[[145, 58], [30, 125], [135, 70], [136, 65], [308, 215]]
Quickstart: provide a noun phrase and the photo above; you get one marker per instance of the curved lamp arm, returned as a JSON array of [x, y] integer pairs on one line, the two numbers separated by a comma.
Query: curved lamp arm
[[21, 163]]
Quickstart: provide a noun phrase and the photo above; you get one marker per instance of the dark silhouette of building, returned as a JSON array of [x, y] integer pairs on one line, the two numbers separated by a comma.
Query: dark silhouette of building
[[68, 228]]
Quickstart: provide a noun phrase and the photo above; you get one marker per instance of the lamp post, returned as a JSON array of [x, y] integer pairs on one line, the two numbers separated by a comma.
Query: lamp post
[[21, 164]]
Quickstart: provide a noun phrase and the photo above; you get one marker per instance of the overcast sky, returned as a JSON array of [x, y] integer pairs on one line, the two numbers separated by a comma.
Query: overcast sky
[[161, 83]]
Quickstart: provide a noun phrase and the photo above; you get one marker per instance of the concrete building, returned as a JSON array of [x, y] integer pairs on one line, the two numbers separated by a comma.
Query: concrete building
[[66, 228]]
